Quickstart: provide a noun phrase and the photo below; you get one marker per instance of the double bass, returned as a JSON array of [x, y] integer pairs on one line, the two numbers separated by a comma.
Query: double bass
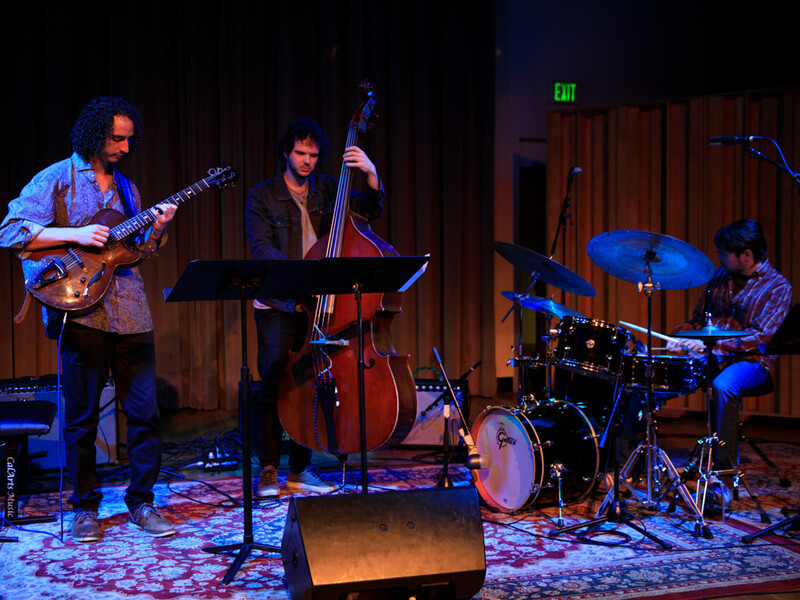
[[318, 395]]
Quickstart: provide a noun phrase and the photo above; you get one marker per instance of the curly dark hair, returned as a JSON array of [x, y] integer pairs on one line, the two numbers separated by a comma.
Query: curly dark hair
[[301, 129], [95, 124], [741, 235]]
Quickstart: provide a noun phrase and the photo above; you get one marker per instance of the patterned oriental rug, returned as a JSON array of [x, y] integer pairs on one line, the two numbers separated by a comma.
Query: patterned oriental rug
[[522, 560]]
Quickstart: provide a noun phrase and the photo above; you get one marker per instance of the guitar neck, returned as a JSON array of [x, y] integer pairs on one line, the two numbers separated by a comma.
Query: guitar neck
[[143, 219]]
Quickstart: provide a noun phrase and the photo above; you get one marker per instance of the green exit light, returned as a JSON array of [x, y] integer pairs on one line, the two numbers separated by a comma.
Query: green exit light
[[565, 92]]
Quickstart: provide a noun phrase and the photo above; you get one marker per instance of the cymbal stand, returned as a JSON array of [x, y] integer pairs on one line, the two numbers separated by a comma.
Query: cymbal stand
[[522, 392], [649, 451], [701, 460]]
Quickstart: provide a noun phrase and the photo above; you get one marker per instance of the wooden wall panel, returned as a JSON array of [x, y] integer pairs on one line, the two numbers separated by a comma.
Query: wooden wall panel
[[651, 168]]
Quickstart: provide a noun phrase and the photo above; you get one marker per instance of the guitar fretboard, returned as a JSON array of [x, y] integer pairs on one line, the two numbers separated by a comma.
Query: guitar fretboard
[[144, 218]]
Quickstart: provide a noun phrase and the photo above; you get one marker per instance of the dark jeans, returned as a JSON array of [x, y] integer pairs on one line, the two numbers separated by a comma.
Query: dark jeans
[[278, 332], [736, 380], [88, 355]]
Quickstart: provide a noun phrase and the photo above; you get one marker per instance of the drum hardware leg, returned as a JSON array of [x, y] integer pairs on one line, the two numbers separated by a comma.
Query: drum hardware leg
[[702, 462], [785, 524], [556, 469], [705, 466], [611, 509], [652, 453]]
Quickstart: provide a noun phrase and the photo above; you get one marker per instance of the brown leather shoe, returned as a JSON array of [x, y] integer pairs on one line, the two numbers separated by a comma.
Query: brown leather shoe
[[85, 527], [149, 518], [267, 486]]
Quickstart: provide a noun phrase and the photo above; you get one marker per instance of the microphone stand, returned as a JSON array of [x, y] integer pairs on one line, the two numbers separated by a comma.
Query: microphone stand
[[757, 154], [473, 458], [444, 479], [563, 217]]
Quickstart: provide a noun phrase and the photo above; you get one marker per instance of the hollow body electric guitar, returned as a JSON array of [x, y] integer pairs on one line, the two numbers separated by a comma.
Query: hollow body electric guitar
[[74, 278]]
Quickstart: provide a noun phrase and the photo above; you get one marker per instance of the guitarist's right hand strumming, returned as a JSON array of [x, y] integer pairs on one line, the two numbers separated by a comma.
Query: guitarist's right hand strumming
[[53, 237]]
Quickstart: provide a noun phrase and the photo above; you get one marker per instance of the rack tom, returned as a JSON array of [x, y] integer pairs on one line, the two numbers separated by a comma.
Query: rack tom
[[591, 347]]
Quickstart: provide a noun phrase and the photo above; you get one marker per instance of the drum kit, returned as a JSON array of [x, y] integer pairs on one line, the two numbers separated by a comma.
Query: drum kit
[[548, 451]]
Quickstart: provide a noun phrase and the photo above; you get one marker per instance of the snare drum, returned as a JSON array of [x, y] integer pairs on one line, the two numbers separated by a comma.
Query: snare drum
[[530, 451], [591, 347], [672, 375]]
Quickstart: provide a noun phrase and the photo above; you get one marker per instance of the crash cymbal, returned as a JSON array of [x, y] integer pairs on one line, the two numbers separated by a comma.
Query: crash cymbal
[[543, 305], [674, 264], [544, 269], [710, 332]]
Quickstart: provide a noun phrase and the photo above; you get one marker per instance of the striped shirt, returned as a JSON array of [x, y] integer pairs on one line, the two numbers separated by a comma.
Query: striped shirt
[[759, 308]]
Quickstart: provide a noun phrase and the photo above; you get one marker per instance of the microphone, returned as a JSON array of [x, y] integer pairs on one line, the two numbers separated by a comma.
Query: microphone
[[730, 140], [575, 170], [476, 461]]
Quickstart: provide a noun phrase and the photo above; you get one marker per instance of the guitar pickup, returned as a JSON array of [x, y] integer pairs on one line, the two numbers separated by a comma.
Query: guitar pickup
[[52, 272]]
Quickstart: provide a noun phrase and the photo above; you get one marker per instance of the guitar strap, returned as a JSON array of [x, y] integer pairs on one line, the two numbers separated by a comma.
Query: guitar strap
[[125, 193]]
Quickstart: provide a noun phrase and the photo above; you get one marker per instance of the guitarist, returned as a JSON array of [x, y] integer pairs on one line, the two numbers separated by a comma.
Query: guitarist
[[284, 217], [116, 334]]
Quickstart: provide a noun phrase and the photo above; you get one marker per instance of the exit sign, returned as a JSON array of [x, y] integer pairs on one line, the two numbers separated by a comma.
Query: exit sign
[[562, 92]]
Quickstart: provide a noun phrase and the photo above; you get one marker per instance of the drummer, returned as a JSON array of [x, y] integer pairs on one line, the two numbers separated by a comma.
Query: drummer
[[746, 294]]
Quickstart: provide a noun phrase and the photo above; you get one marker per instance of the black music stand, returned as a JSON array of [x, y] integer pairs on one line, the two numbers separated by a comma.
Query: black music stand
[[785, 341], [360, 275], [287, 278], [239, 280]]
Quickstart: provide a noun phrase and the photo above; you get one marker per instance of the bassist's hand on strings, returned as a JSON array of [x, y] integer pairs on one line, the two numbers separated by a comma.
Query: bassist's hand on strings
[[355, 158]]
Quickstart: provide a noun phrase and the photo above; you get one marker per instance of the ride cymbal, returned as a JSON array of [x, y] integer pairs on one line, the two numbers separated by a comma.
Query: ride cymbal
[[673, 264]]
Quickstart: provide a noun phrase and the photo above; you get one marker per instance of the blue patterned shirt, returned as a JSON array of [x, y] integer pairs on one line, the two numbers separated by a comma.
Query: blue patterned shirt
[[67, 194]]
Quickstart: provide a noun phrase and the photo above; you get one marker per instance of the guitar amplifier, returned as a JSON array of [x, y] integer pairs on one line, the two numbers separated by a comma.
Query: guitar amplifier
[[432, 395], [43, 450]]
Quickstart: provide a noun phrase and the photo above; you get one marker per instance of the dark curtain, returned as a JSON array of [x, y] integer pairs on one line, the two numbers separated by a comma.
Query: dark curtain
[[651, 168], [216, 82]]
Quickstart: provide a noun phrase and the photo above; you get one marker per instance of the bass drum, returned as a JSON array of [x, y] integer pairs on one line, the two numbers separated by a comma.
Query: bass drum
[[531, 450]]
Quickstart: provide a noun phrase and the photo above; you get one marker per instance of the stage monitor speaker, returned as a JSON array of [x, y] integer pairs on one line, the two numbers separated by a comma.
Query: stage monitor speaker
[[43, 450], [428, 429], [424, 543]]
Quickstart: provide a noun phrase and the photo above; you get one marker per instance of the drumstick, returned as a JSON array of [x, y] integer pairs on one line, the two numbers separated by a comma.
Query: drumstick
[[656, 334]]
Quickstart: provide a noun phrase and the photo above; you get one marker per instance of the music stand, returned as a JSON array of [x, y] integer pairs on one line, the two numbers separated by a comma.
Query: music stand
[[785, 341], [205, 280], [360, 275]]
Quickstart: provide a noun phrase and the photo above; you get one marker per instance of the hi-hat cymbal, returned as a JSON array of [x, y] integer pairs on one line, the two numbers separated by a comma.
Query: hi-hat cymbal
[[673, 264], [543, 305], [710, 332], [545, 269]]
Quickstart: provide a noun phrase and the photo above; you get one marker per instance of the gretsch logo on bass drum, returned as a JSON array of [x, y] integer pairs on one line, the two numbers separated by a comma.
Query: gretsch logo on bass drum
[[503, 439]]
